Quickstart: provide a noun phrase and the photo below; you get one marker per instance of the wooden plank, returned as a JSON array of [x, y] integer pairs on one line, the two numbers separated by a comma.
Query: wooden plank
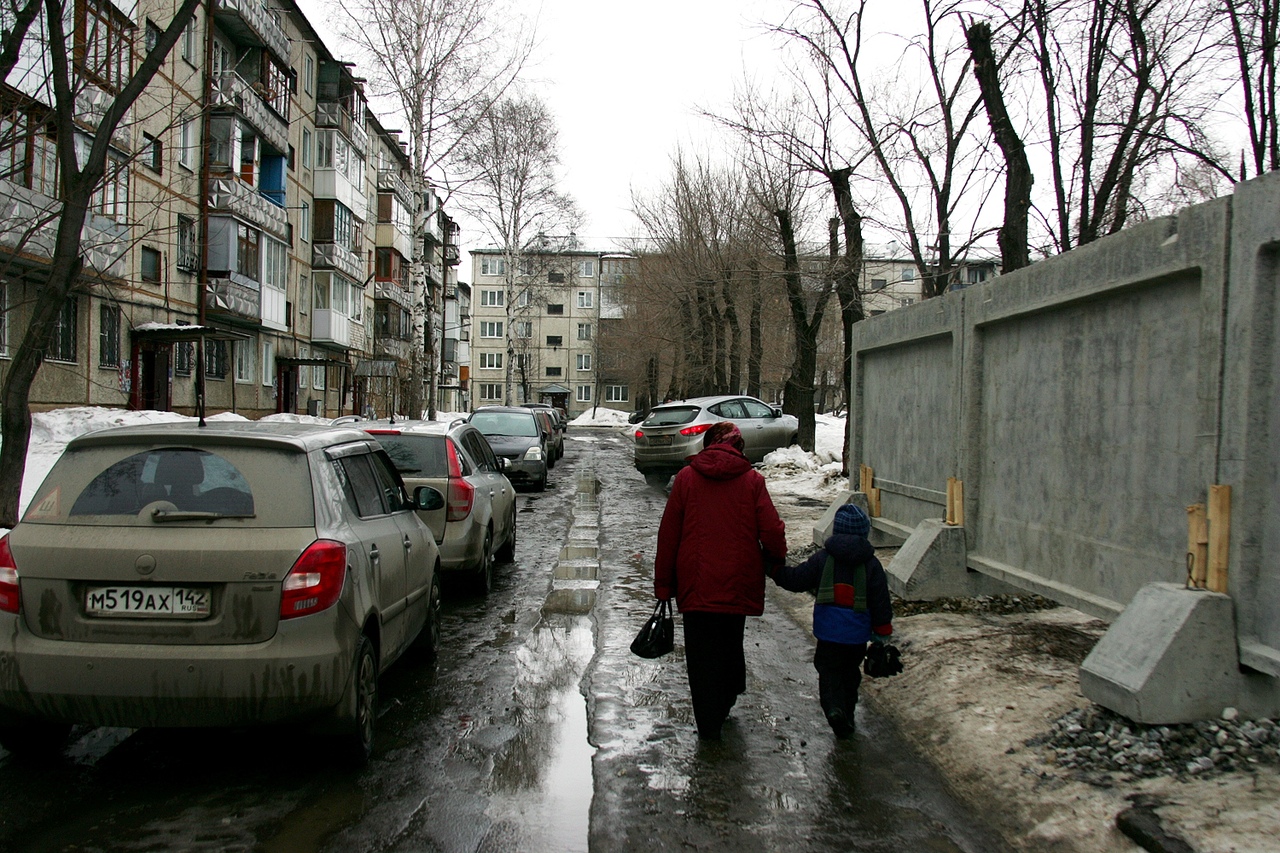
[[959, 502], [1197, 546], [1219, 537], [951, 501]]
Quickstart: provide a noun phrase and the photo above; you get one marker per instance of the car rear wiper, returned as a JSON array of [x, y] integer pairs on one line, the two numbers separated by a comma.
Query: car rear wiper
[[193, 515]]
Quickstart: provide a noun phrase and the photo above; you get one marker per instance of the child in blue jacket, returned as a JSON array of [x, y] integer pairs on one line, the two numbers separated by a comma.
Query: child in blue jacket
[[852, 607]]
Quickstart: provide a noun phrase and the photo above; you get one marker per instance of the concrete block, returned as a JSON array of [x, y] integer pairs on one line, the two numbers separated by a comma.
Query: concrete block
[[1169, 658], [822, 530], [931, 563]]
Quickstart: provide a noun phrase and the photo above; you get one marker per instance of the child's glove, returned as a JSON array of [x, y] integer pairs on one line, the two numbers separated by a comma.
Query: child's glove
[[883, 658]]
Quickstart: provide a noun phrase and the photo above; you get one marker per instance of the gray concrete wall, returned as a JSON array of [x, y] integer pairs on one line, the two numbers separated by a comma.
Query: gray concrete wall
[[1085, 402]]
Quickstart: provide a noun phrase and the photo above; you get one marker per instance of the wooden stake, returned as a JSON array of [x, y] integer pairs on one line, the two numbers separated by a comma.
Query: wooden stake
[[959, 500], [951, 501], [865, 477], [1219, 537], [1197, 546], [873, 500]]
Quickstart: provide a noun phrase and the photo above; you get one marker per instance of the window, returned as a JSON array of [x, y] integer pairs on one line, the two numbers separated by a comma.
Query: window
[[555, 278], [152, 153], [319, 376], [360, 483], [188, 42], [522, 300], [268, 363], [109, 336], [306, 148], [188, 244], [908, 274], [304, 222], [878, 283], [584, 331], [490, 391], [555, 309], [244, 361], [586, 269], [490, 361], [584, 394], [905, 301], [215, 359], [554, 371], [492, 298], [490, 329], [586, 299], [308, 74], [62, 337], [616, 394], [247, 258], [188, 142], [151, 270], [304, 294], [275, 264], [493, 266], [183, 355], [112, 196], [152, 36], [584, 361], [555, 341], [104, 43], [522, 328]]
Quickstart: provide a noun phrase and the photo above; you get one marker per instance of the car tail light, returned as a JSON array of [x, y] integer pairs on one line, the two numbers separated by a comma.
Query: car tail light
[[461, 493], [639, 433], [315, 581], [696, 429], [8, 578], [383, 431]]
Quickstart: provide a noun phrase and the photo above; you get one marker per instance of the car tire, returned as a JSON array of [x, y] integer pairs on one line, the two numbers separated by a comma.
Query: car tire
[[35, 740], [507, 553], [357, 741], [484, 572], [427, 642], [551, 457], [794, 440], [657, 479], [541, 485]]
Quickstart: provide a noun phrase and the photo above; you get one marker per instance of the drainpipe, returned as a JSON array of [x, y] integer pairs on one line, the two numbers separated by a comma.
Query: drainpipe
[[203, 285]]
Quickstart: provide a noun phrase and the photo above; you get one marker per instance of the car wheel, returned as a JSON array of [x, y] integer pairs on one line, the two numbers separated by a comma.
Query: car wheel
[[657, 479], [484, 573], [794, 440], [358, 740], [551, 457], [541, 485], [428, 642], [507, 552], [37, 740]]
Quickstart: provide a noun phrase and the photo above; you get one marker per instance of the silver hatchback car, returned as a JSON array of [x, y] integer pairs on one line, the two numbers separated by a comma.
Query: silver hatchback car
[[220, 575], [673, 431], [477, 524]]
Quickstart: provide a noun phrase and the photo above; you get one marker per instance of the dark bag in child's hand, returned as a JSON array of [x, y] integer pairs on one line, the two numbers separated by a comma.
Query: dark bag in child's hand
[[658, 636], [883, 659]]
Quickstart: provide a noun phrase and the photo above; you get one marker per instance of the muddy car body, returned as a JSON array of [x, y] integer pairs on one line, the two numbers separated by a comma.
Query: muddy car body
[[232, 574]]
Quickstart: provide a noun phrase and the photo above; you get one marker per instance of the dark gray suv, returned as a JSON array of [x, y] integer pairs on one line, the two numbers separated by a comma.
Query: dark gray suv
[[518, 435]]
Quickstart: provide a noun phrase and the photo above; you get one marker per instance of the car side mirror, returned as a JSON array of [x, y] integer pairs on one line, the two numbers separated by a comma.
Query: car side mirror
[[503, 462], [777, 413], [427, 499]]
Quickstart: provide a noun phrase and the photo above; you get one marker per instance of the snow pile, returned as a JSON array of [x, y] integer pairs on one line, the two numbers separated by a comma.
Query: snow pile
[[601, 417], [792, 457]]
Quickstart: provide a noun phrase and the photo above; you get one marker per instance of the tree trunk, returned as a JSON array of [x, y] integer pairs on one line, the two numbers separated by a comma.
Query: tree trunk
[[735, 336], [1012, 238], [755, 346], [847, 269], [798, 399]]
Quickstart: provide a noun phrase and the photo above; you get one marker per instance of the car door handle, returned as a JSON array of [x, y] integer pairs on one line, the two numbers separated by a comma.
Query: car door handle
[[374, 554], [408, 545]]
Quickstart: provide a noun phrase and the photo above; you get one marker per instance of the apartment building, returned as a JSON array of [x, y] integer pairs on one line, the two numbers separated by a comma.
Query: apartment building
[[540, 326], [248, 249]]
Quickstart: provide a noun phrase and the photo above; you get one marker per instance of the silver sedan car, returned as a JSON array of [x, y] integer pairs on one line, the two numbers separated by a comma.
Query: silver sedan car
[[477, 525], [673, 431]]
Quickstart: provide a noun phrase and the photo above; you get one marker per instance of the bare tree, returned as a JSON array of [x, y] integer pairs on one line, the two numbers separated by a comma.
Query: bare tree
[[510, 162], [65, 62], [1255, 30], [440, 63]]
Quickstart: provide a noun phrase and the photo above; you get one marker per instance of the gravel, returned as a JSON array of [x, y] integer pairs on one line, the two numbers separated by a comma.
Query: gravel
[[1093, 743]]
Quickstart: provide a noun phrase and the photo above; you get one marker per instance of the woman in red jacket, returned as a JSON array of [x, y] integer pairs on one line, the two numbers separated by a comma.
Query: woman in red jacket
[[717, 532]]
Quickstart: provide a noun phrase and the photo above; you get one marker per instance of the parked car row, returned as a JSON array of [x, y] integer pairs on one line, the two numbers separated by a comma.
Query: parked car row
[[248, 573]]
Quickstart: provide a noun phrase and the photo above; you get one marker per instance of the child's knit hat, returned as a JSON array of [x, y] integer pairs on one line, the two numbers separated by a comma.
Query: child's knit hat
[[851, 521]]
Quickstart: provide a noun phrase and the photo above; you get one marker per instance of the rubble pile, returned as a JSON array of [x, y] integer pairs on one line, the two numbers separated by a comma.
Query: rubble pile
[[1092, 740]]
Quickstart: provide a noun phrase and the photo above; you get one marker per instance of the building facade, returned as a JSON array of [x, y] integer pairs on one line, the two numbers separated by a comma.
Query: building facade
[[248, 248], [540, 328]]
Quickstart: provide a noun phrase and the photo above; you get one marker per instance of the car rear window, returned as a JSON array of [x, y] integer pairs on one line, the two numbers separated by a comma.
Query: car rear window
[[671, 416], [417, 455], [118, 484], [505, 423]]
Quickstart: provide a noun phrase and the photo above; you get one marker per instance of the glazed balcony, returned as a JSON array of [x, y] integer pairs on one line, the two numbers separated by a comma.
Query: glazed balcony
[[104, 245], [229, 194], [391, 291], [230, 91], [336, 257], [330, 327], [249, 22], [389, 180], [334, 114]]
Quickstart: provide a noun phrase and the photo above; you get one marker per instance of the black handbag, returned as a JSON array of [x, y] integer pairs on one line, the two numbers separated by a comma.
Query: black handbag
[[883, 660], [658, 636]]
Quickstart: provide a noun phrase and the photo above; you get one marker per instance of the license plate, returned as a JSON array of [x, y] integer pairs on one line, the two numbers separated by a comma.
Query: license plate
[[659, 441], [159, 601]]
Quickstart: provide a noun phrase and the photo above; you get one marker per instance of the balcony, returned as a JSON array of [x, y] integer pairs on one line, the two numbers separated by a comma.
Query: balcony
[[395, 236], [234, 297], [330, 327], [333, 114], [274, 309], [432, 229], [389, 180], [335, 257], [229, 194], [230, 91], [452, 256], [104, 244], [390, 291], [249, 22], [395, 348]]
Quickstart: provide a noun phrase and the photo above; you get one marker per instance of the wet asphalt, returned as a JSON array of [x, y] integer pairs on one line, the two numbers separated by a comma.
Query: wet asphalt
[[535, 730]]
